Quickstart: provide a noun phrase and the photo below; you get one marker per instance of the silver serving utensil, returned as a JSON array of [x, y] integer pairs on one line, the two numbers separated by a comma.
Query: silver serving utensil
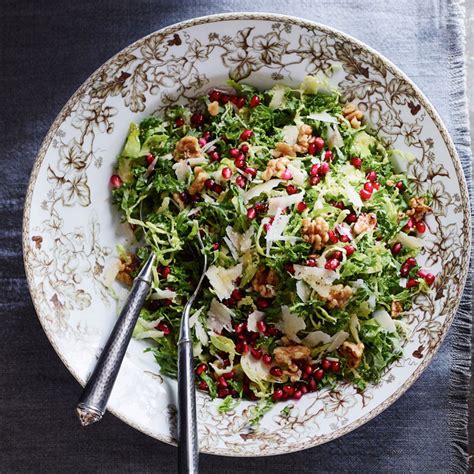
[[188, 446]]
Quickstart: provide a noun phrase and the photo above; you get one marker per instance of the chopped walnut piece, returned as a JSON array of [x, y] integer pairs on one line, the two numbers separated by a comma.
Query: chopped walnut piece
[[127, 265], [287, 355], [418, 208], [396, 308], [390, 183], [213, 108], [275, 167], [364, 223], [315, 232], [200, 177], [264, 282], [178, 200], [283, 149], [304, 138], [339, 296], [353, 353], [353, 115], [187, 147]]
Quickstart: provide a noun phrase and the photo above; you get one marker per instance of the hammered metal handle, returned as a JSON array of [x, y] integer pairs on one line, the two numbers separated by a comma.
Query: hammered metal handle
[[93, 402]]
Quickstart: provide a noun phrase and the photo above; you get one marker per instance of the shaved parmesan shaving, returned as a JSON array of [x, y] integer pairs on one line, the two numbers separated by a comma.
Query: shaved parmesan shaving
[[299, 176], [219, 370], [159, 294], [222, 279], [201, 333], [278, 226], [409, 241], [181, 170], [167, 157], [232, 248], [209, 145], [197, 349], [344, 229], [253, 320], [219, 317], [290, 324], [315, 276], [322, 290], [337, 340], [334, 138], [371, 301], [353, 196], [196, 161], [255, 369], [110, 272], [303, 291], [359, 283], [259, 189], [316, 337], [290, 134], [240, 242], [281, 202], [384, 320], [152, 333], [323, 117]]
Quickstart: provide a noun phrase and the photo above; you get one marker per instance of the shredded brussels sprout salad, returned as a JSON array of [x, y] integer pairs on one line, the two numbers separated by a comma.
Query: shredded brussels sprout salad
[[311, 229]]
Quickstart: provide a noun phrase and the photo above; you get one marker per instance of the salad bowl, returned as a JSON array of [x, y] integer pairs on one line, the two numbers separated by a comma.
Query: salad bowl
[[71, 230]]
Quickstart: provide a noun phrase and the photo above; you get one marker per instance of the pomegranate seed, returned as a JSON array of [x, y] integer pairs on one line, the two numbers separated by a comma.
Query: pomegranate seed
[[420, 227], [289, 267], [251, 171], [328, 156], [349, 250], [286, 175], [239, 327], [240, 102], [396, 248], [344, 238], [215, 96], [324, 169], [314, 170], [229, 375], [400, 186], [314, 180], [209, 183], [164, 271], [404, 270], [149, 158], [409, 225], [356, 162], [240, 162], [233, 99], [267, 359], [197, 119], [223, 392], [226, 173], [266, 227], [319, 374], [245, 135], [312, 149], [369, 187], [240, 181], [185, 197], [225, 98], [430, 279], [217, 188], [242, 347], [372, 176], [236, 294], [201, 368], [411, 283], [261, 326], [313, 385], [311, 262], [301, 206], [215, 246], [234, 152], [332, 264], [297, 394], [116, 181], [276, 371], [338, 205], [262, 303], [411, 262], [261, 207], [229, 302], [277, 394], [251, 213], [272, 331], [421, 273], [337, 255], [376, 185], [351, 218], [335, 366], [308, 370], [288, 389], [256, 353], [234, 393], [333, 237], [164, 328], [202, 385], [319, 142], [214, 156], [221, 382], [179, 122], [254, 101], [364, 194], [202, 141], [244, 148], [326, 364]]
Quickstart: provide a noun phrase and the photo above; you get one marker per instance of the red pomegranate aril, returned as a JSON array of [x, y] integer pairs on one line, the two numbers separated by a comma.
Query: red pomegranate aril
[[328, 156], [215, 246], [254, 101], [308, 370], [337, 255], [262, 303], [240, 162], [277, 394], [209, 183], [116, 181], [234, 152], [240, 181], [344, 238], [430, 279], [356, 162], [326, 364], [297, 394], [313, 385], [289, 267], [221, 382], [251, 213], [319, 374], [351, 218], [364, 194], [267, 359], [311, 262], [272, 331], [179, 122], [225, 98], [411, 262], [214, 156], [233, 99], [234, 393], [164, 328], [319, 142], [372, 176], [314, 180], [332, 264], [215, 96], [411, 283], [396, 248], [335, 366], [229, 375], [242, 347], [217, 188], [202, 142], [197, 119], [288, 389], [333, 237], [261, 326], [286, 175], [164, 271], [421, 273], [240, 102], [400, 186], [229, 302], [244, 148], [301, 206], [261, 207], [239, 327], [369, 187], [245, 135], [349, 250], [376, 185], [226, 173], [202, 385], [420, 227], [256, 353], [223, 392], [409, 225], [201, 368], [251, 171], [236, 294], [304, 389], [276, 371], [404, 270], [324, 169], [338, 205], [254, 336], [149, 158], [313, 171]]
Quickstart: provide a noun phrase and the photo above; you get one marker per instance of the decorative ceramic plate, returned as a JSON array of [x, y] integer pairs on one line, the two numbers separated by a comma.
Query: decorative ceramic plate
[[71, 230]]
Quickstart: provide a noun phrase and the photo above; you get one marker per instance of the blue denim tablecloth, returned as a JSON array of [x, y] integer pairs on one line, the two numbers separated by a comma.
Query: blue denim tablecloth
[[47, 49]]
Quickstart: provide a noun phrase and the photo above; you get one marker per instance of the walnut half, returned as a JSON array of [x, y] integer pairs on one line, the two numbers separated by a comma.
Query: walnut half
[[418, 208], [264, 282], [275, 167], [365, 222], [338, 297], [353, 353], [315, 232], [187, 147], [200, 177], [286, 356]]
